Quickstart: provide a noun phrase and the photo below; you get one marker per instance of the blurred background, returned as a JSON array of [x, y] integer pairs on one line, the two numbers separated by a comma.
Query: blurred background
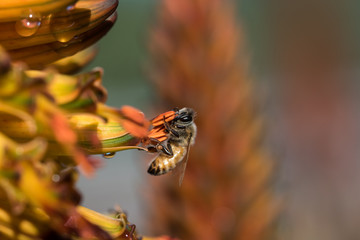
[[301, 61]]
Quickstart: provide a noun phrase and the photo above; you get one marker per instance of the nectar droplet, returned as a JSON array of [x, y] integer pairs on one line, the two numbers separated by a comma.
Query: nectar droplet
[[28, 24], [109, 155]]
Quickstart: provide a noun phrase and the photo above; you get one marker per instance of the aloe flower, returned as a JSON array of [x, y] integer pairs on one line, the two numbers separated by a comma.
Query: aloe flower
[[51, 123], [198, 62]]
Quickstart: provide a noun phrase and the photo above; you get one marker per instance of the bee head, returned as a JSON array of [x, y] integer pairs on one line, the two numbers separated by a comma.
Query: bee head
[[184, 118]]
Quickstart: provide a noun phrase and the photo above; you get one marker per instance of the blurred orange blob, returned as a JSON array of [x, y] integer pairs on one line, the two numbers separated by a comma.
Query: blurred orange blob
[[134, 121]]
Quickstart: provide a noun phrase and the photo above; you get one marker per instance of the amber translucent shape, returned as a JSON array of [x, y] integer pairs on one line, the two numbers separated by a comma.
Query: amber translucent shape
[[42, 37]]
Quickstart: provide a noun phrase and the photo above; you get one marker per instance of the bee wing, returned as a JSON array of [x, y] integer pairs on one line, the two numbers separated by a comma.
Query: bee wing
[[183, 165]]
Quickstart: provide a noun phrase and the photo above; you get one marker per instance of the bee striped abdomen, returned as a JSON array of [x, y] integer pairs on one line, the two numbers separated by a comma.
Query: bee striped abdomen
[[161, 165], [164, 163], [154, 168]]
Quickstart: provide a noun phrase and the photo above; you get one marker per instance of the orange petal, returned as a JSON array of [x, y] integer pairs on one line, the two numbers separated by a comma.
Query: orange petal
[[161, 139], [135, 129], [133, 114], [86, 164], [168, 116], [157, 129], [63, 134], [157, 135], [134, 121]]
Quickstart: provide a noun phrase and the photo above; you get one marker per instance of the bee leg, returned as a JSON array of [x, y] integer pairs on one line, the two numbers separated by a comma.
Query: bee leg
[[160, 146], [171, 130], [151, 146], [169, 150], [152, 149], [165, 149]]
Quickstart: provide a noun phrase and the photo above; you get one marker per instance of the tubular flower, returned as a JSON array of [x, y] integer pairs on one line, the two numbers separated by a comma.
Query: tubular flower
[[50, 122], [47, 127]]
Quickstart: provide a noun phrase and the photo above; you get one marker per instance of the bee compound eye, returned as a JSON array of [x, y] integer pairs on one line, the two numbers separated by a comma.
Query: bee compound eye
[[186, 118]]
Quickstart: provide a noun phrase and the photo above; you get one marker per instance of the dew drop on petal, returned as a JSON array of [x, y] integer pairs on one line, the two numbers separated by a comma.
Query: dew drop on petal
[[61, 25], [70, 7], [55, 178], [28, 24], [109, 155], [64, 25]]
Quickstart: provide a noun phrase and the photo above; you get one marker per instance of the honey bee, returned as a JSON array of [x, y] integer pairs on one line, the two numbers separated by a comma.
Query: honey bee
[[175, 149]]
